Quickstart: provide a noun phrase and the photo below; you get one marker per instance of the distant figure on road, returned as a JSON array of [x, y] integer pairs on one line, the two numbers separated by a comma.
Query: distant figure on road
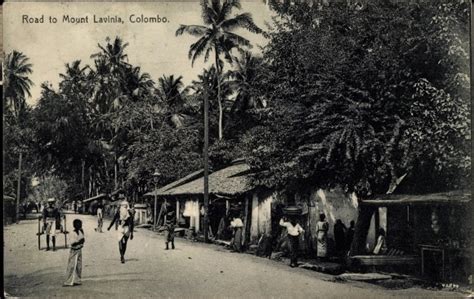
[[236, 224], [74, 265], [75, 207], [340, 237], [350, 235], [293, 230], [124, 217], [322, 228], [100, 216], [51, 218], [169, 233]]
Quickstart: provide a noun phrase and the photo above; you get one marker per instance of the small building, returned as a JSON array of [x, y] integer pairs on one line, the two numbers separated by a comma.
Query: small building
[[229, 191], [435, 228], [90, 204]]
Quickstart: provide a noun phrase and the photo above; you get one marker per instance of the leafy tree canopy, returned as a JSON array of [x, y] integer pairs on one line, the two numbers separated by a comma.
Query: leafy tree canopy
[[358, 97]]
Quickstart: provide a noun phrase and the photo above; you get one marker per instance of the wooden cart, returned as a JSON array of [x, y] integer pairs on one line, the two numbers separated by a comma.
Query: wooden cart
[[41, 231]]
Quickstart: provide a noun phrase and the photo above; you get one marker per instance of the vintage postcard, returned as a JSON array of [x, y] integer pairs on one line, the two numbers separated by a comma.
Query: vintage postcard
[[237, 148]]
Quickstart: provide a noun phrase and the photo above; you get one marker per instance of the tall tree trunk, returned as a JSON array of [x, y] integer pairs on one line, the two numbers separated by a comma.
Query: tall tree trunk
[[206, 167], [90, 182], [18, 190], [219, 100], [115, 172], [82, 179], [361, 230], [107, 175]]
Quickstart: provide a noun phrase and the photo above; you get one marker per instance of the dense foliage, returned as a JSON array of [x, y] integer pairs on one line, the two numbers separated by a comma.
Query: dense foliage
[[354, 96], [361, 96]]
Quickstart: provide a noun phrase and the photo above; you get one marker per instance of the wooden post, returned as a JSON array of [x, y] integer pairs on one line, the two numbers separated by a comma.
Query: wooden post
[[159, 215], [154, 214], [165, 204], [246, 222], [377, 223], [177, 216]]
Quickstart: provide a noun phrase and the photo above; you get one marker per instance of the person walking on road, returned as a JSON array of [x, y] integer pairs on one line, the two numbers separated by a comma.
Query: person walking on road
[[100, 216], [51, 218], [293, 230], [322, 228], [169, 233], [237, 225], [74, 266], [350, 235], [124, 218]]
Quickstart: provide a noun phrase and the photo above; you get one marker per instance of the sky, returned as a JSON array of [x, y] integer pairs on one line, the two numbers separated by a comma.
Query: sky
[[153, 47]]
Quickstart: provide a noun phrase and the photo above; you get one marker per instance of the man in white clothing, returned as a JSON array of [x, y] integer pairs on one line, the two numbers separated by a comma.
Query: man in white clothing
[[294, 230]]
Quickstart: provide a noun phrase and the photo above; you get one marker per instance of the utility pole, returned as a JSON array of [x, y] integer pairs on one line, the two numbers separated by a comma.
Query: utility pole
[[18, 189], [206, 166]]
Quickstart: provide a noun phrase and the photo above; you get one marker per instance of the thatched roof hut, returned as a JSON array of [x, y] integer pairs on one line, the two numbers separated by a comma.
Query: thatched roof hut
[[230, 181], [162, 191]]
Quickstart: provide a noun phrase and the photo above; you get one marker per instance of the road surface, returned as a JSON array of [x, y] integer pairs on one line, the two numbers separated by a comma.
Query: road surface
[[192, 270]]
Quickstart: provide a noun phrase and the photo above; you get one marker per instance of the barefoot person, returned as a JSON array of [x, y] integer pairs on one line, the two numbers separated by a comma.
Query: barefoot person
[[100, 216], [124, 218], [293, 230], [169, 233], [322, 228], [74, 266], [51, 218], [237, 226]]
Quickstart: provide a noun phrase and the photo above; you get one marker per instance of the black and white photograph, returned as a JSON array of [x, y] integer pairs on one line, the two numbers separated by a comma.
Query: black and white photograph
[[237, 149]]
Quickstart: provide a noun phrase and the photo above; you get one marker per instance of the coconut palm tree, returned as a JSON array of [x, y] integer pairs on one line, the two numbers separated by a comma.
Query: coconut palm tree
[[17, 83], [137, 84], [241, 79], [114, 53], [216, 35], [172, 94]]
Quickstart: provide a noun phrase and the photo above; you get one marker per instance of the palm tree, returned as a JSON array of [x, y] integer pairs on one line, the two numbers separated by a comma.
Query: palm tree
[[112, 79], [17, 83], [172, 94], [207, 83], [114, 53], [137, 84], [17, 87], [242, 79], [110, 73], [216, 35], [74, 71]]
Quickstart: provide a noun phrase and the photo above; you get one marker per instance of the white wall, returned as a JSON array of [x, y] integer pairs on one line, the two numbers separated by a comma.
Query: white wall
[[261, 221], [335, 204]]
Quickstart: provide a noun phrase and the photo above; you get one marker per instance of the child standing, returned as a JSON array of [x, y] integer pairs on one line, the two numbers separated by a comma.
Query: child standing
[[74, 266], [169, 234]]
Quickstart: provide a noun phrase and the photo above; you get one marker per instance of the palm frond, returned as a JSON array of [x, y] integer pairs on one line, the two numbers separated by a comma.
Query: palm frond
[[194, 30], [237, 39], [227, 8], [198, 48], [206, 12], [243, 20]]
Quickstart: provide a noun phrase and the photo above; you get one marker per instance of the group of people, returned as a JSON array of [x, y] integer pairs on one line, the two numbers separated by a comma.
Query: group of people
[[342, 236], [123, 220]]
